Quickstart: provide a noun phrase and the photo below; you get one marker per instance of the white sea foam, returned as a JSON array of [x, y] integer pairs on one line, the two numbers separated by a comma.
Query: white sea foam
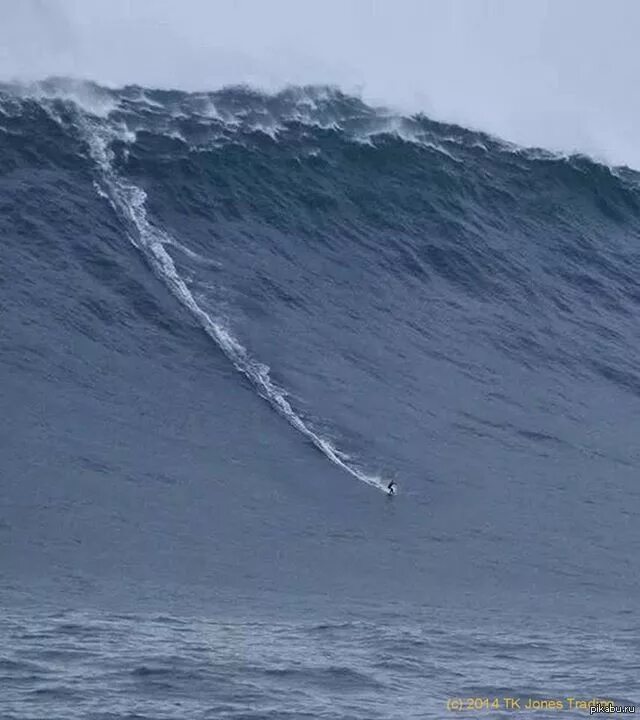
[[269, 129], [91, 99], [194, 256]]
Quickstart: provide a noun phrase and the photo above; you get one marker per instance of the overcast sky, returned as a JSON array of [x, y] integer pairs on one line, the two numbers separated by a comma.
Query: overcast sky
[[558, 73]]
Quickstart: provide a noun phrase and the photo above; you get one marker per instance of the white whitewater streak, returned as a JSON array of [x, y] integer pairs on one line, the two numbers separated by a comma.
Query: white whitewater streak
[[129, 200]]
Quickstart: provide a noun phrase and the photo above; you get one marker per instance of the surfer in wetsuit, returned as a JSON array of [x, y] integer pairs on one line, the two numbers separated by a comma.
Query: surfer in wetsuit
[[391, 488]]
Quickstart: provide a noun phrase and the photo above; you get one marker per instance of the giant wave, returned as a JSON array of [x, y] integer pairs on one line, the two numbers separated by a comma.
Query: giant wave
[[418, 300]]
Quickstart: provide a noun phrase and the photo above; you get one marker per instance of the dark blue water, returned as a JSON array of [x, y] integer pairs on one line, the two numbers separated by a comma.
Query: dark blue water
[[228, 320]]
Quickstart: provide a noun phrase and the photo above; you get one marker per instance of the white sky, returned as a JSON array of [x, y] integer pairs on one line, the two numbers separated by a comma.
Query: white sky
[[558, 73]]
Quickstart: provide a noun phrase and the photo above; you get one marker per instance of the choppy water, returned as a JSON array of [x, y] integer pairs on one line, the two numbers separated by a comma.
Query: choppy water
[[228, 320], [81, 665]]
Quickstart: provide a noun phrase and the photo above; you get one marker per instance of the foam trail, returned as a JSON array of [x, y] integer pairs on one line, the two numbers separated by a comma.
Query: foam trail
[[129, 200]]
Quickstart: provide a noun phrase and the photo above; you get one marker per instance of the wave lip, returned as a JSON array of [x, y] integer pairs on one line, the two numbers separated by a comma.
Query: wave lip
[[239, 109]]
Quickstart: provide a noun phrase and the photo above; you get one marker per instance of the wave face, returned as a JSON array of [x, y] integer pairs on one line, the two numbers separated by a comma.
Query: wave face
[[242, 313]]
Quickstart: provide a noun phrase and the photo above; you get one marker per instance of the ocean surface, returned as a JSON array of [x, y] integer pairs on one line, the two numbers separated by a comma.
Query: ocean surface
[[228, 320]]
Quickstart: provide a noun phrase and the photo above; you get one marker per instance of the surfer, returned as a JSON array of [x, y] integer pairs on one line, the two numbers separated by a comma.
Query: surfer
[[391, 488]]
